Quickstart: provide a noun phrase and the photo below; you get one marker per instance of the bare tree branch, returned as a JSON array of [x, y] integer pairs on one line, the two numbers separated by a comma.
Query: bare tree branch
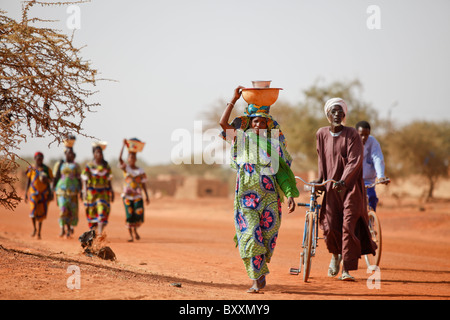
[[45, 87]]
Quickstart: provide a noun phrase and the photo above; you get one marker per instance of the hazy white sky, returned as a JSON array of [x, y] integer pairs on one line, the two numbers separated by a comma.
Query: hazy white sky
[[173, 59]]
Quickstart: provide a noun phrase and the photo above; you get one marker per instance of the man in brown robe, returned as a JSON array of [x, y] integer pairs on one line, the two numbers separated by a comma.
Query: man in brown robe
[[343, 217]]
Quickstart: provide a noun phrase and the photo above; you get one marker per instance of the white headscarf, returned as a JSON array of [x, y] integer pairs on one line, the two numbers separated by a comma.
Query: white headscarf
[[332, 102]]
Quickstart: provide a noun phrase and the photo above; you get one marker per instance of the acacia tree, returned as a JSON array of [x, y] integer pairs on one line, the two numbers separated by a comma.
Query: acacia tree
[[421, 148], [45, 86], [300, 122]]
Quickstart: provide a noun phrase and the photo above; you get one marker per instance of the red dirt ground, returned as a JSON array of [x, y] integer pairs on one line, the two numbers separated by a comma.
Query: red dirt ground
[[190, 242]]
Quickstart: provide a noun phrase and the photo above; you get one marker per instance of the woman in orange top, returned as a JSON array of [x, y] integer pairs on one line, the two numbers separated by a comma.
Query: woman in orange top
[[40, 192]]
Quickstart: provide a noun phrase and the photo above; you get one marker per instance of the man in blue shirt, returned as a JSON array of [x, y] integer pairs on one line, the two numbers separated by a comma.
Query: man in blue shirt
[[373, 163]]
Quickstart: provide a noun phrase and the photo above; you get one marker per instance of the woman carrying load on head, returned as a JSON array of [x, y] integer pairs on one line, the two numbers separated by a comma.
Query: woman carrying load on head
[[97, 189], [263, 176], [134, 186], [67, 186], [38, 191]]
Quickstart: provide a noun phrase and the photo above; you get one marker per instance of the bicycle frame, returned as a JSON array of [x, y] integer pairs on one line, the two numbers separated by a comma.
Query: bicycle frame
[[310, 232], [374, 229], [314, 208]]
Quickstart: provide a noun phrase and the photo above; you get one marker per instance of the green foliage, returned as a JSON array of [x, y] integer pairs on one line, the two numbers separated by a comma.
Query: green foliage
[[421, 148], [301, 122]]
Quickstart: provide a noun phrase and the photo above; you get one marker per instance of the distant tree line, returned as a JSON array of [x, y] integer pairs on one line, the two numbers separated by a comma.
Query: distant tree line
[[416, 148]]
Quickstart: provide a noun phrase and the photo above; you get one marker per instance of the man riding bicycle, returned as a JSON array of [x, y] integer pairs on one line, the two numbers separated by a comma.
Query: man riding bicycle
[[373, 164]]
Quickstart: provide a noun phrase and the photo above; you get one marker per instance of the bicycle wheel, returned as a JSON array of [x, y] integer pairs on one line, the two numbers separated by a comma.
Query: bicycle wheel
[[375, 232], [309, 226]]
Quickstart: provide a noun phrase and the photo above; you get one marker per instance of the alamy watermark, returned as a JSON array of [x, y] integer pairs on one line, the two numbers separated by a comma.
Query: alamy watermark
[[74, 280], [208, 147], [374, 280], [373, 22], [74, 20]]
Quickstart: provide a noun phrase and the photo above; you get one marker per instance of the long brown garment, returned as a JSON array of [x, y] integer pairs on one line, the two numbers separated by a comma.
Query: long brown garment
[[343, 216]]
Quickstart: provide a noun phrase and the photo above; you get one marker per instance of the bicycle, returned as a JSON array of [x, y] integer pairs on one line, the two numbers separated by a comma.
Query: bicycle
[[373, 261], [311, 230]]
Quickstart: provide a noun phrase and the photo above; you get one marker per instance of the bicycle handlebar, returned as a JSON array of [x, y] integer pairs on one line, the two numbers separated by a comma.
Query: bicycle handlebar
[[378, 182], [303, 204], [316, 184], [331, 180]]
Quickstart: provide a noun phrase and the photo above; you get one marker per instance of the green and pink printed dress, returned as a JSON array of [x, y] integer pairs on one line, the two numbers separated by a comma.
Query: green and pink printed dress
[[258, 197]]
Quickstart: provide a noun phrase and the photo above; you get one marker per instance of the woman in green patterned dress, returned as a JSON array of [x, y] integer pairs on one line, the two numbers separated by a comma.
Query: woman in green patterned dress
[[263, 176], [67, 186], [97, 190]]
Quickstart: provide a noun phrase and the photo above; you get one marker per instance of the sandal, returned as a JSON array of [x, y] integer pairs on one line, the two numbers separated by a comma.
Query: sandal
[[346, 276], [335, 265], [253, 290], [261, 282]]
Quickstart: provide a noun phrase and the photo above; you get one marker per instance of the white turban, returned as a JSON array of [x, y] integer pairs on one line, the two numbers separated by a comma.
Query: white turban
[[333, 102]]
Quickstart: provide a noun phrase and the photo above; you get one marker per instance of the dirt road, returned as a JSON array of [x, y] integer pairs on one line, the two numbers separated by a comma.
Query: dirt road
[[190, 243]]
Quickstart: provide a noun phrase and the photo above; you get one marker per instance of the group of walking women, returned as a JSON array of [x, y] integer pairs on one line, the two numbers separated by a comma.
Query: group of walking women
[[264, 180], [68, 182]]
